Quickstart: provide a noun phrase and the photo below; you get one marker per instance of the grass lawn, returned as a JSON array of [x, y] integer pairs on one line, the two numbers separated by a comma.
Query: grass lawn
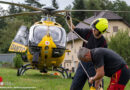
[[33, 78]]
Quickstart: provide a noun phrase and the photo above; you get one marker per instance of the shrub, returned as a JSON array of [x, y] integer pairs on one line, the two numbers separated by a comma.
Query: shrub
[[18, 61], [121, 44]]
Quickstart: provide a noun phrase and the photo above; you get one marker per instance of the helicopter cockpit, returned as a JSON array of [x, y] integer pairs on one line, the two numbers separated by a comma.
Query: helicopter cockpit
[[37, 32]]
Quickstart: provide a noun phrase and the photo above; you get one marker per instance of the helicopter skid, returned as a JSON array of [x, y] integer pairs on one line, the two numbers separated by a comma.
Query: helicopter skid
[[22, 69], [63, 71]]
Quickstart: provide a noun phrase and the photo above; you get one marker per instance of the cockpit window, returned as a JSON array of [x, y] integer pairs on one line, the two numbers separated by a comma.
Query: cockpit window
[[58, 34], [39, 32]]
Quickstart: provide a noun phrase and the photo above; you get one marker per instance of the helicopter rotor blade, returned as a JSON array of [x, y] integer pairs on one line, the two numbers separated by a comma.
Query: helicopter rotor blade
[[63, 16], [59, 11], [21, 5], [20, 14]]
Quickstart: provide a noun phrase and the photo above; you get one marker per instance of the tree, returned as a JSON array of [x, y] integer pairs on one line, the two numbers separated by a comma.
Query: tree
[[34, 3], [2, 21], [92, 5], [106, 4], [9, 31], [121, 44], [119, 5], [59, 19], [12, 9], [78, 4], [54, 3]]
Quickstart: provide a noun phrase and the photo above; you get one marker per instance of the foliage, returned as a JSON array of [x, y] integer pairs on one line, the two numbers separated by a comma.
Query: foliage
[[78, 4], [18, 62], [120, 5], [34, 3], [34, 18], [60, 20], [54, 3], [2, 21], [8, 33], [12, 9], [121, 44]]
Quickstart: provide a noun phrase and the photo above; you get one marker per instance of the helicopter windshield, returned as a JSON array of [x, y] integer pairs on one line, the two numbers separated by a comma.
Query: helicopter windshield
[[58, 34]]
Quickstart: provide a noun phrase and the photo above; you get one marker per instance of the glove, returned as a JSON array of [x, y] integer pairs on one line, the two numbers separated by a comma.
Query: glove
[[67, 16]]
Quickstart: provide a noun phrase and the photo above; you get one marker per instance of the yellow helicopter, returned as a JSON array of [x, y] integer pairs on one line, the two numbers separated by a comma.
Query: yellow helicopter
[[44, 42]]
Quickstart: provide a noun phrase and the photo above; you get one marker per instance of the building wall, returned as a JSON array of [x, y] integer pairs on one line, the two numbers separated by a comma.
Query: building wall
[[72, 56], [114, 26]]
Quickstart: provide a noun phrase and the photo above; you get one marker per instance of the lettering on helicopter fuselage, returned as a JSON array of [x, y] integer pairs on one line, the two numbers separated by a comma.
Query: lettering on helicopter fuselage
[[17, 48]]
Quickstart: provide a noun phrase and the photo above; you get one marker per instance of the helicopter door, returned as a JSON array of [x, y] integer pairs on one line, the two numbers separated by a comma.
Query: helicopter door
[[20, 41]]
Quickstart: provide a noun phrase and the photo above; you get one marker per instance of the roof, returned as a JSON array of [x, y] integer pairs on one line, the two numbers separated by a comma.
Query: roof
[[109, 15], [71, 36]]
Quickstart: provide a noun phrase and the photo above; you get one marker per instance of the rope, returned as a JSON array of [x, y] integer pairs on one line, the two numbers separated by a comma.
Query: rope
[[75, 32], [81, 39]]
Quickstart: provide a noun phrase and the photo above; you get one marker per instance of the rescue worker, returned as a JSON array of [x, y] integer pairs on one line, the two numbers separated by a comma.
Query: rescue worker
[[107, 63], [95, 39]]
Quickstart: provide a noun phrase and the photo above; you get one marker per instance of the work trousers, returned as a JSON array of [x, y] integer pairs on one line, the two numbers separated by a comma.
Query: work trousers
[[119, 79], [81, 77]]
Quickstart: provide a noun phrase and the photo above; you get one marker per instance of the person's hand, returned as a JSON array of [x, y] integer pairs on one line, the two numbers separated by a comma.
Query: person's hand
[[97, 84], [67, 16], [91, 80]]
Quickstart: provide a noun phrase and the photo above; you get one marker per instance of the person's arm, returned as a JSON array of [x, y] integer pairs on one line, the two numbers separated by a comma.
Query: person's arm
[[71, 24], [99, 74]]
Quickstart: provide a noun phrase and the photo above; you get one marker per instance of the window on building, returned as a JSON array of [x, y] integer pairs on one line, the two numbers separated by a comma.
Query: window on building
[[68, 53], [71, 44], [115, 28], [67, 65]]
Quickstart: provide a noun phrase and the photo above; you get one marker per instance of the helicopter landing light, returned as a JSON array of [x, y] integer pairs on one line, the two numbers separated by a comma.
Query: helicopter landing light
[[47, 43]]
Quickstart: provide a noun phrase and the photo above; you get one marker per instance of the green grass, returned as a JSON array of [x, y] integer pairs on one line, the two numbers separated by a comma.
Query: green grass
[[33, 78]]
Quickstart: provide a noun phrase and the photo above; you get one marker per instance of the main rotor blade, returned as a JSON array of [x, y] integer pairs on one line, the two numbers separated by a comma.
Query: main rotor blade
[[63, 16], [59, 11], [21, 5], [20, 14]]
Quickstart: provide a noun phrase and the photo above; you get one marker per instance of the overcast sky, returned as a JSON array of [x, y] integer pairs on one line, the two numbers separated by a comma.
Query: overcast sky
[[62, 3]]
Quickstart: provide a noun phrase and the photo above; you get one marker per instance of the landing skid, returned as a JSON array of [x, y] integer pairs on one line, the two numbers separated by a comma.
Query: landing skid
[[63, 71], [26, 67], [22, 69]]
